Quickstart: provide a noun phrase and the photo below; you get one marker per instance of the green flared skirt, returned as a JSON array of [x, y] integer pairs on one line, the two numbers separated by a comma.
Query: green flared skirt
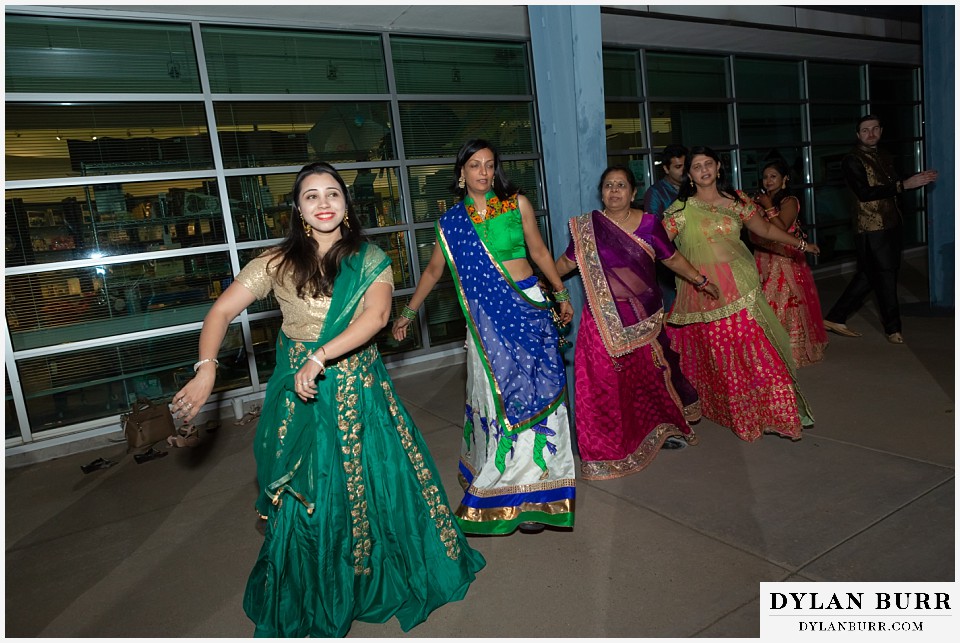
[[358, 523]]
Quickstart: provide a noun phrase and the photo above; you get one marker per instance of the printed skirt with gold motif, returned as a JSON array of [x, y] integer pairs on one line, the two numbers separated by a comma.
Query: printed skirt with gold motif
[[358, 524]]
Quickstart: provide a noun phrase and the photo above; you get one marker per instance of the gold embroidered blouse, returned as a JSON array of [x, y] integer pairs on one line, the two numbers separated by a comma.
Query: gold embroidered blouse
[[302, 318]]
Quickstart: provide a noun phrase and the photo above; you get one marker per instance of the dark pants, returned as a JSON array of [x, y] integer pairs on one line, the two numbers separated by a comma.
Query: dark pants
[[878, 262]]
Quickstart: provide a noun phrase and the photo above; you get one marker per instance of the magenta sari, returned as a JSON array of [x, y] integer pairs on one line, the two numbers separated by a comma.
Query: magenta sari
[[630, 393]]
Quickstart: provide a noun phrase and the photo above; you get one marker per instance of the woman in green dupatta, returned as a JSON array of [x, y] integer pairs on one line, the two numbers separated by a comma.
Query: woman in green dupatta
[[732, 349], [358, 525]]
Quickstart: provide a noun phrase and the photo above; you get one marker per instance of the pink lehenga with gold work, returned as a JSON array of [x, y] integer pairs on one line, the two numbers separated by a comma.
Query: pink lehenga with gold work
[[630, 392], [789, 288]]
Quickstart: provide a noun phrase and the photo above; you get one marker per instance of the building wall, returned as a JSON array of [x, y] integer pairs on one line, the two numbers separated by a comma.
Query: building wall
[[718, 33]]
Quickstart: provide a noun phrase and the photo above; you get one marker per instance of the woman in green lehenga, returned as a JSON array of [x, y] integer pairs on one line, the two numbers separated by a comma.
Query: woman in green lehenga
[[358, 524]]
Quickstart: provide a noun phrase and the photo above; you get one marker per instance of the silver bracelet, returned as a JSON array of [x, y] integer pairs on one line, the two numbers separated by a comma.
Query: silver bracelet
[[313, 358], [196, 367]]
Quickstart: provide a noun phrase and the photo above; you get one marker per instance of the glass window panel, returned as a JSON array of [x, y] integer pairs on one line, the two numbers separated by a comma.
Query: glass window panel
[[78, 386], [637, 165], [835, 205], [267, 303], [60, 306], [430, 191], [620, 74], [826, 163], [386, 343], [899, 122], [914, 227], [431, 195], [686, 75], [834, 123], [836, 241], [53, 141], [437, 130], [896, 84], [690, 124], [264, 333], [904, 155], [395, 245], [268, 61], [769, 124], [768, 80], [445, 321], [376, 196], [296, 133], [260, 205], [12, 427], [68, 55], [526, 176], [44, 225], [438, 66], [752, 162], [833, 81], [624, 123], [426, 238]]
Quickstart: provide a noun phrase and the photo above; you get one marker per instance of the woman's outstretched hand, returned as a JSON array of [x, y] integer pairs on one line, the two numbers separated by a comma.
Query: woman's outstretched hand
[[188, 400]]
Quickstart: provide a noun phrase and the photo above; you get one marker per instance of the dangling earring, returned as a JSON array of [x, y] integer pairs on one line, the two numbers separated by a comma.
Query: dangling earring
[[691, 183], [493, 183], [346, 222], [306, 226], [461, 183]]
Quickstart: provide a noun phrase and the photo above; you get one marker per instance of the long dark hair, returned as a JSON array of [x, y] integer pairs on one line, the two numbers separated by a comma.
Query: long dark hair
[[784, 170], [298, 252], [688, 188], [503, 187]]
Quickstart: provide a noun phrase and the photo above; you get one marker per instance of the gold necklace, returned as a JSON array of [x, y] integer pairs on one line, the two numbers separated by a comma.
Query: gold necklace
[[619, 223]]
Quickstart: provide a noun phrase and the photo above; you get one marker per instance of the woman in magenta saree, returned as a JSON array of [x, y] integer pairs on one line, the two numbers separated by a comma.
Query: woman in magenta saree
[[630, 394]]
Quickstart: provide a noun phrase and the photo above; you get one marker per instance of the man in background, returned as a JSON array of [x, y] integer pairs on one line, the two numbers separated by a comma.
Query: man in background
[[658, 198], [870, 174]]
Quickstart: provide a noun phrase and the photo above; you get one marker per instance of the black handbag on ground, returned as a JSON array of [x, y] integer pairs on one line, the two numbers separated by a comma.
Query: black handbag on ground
[[146, 423]]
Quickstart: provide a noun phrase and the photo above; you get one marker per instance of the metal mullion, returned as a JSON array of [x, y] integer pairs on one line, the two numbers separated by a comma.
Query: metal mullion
[[303, 97], [27, 184], [227, 215], [92, 262], [16, 391], [265, 314], [807, 147], [644, 101], [101, 342], [403, 175], [106, 97], [466, 98], [734, 116]]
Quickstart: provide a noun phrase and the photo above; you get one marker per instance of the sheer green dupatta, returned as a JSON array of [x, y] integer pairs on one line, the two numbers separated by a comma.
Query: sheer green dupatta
[[290, 430], [709, 237]]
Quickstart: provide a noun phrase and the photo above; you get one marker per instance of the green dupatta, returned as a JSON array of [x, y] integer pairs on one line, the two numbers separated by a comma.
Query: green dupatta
[[290, 429]]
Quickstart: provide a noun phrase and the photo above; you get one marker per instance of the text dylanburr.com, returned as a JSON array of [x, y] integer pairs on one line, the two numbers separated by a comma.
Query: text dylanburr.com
[[861, 611]]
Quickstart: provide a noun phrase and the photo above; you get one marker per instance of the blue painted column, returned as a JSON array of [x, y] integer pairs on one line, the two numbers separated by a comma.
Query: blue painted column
[[568, 71], [939, 104]]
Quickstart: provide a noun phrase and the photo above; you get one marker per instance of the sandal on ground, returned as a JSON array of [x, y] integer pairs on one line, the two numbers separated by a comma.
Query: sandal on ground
[[840, 329], [97, 464], [531, 527], [152, 454], [187, 436]]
